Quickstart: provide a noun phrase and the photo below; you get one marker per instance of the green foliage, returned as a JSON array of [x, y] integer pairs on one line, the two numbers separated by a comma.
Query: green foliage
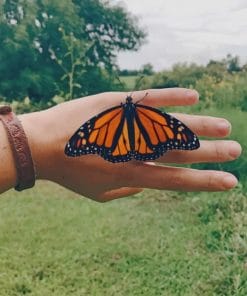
[[181, 75], [221, 84], [62, 47], [127, 72], [226, 235], [146, 69]]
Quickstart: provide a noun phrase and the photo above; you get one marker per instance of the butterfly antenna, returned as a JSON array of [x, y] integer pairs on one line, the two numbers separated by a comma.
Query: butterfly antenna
[[139, 81], [137, 85], [142, 98], [119, 80]]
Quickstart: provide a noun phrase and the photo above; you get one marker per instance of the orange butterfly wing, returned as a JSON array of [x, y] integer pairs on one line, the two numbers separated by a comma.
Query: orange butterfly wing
[[161, 132], [131, 131], [105, 134]]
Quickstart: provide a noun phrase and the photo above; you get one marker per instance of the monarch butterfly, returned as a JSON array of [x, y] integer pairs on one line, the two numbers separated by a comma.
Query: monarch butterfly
[[131, 130]]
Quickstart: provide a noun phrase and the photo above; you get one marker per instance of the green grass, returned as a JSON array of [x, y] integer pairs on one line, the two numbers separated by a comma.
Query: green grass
[[157, 243]]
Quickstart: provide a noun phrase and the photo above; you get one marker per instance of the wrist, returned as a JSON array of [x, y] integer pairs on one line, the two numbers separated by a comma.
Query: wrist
[[37, 130]]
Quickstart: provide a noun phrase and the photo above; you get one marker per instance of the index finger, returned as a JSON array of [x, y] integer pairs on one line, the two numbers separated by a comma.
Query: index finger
[[167, 97]]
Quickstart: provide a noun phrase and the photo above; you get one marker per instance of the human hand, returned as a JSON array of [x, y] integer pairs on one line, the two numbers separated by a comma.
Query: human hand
[[90, 175]]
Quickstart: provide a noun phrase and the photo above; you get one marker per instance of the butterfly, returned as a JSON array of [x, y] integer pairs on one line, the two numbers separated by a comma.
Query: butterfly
[[131, 131]]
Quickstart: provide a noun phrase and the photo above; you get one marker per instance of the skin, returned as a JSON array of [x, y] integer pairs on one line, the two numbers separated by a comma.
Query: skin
[[91, 176]]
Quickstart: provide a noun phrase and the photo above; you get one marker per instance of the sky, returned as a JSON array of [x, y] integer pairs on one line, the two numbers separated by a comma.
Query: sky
[[187, 31]]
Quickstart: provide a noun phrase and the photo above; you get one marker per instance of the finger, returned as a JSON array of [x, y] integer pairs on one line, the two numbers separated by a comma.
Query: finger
[[205, 125], [152, 97], [167, 97], [209, 151], [179, 179], [118, 193]]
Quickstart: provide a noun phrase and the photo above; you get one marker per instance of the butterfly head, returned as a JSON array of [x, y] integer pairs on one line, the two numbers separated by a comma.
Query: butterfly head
[[129, 99]]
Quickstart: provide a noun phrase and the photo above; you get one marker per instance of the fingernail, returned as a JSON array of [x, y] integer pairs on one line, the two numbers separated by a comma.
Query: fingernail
[[224, 127], [192, 94], [235, 150], [230, 182]]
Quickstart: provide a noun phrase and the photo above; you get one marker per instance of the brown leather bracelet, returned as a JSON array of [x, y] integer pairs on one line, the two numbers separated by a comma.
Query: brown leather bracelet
[[20, 148]]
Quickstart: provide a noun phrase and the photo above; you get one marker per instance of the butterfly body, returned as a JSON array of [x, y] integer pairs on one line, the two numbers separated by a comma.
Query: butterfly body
[[129, 114], [131, 131]]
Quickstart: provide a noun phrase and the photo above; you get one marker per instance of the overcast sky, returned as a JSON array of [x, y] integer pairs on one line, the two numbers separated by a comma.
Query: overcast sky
[[187, 30]]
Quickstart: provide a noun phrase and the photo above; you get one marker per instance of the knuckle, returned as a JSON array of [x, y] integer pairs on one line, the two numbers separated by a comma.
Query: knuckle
[[204, 126], [211, 181], [219, 155]]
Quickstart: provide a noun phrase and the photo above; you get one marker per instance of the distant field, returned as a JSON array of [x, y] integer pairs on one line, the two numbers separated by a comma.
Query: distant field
[[129, 81], [157, 243]]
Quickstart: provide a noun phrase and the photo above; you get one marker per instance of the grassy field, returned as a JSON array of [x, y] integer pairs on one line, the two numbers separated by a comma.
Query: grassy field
[[131, 81], [158, 243]]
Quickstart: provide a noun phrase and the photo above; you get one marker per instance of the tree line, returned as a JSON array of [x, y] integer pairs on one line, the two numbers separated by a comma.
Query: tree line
[[220, 83]]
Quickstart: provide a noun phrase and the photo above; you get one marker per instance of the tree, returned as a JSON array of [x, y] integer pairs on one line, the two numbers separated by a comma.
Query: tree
[[217, 69], [147, 69], [233, 64], [62, 47]]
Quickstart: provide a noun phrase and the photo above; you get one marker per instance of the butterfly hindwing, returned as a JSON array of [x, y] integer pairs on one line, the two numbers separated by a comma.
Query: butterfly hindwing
[[143, 149]]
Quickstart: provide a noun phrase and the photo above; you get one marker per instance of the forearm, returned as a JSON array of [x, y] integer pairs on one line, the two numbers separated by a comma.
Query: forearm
[[41, 140]]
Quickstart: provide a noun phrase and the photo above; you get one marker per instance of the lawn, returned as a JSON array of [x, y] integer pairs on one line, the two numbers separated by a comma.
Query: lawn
[[53, 242]]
